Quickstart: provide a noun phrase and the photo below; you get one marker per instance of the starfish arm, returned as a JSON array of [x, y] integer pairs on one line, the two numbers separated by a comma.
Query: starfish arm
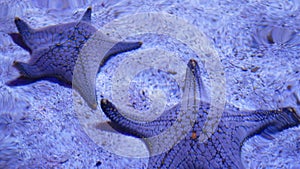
[[87, 15], [27, 70], [124, 47], [264, 122], [119, 48], [28, 74], [24, 29], [52, 36], [18, 39], [21, 80], [134, 128], [195, 73], [32, 72], [34, 39]]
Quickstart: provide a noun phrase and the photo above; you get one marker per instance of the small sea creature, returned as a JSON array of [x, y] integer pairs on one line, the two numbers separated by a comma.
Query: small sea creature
[[274, 35], [222, 149], [55, 49]]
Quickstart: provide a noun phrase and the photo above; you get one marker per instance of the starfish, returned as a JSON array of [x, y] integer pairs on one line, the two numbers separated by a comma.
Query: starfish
[[221, 149], [55, 49]]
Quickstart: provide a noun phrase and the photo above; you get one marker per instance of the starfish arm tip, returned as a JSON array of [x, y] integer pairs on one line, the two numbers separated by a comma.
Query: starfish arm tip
[[17, 19], [87, 16]]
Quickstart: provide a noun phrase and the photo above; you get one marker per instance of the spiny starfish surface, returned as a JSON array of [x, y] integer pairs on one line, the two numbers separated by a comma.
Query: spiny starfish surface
[[55, 49], [222, 149]]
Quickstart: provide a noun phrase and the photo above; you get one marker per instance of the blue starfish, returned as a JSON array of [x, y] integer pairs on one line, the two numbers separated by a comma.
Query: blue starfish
[[55, 49], [221, 150]]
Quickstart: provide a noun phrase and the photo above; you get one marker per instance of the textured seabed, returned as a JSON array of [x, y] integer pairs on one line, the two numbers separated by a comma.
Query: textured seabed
[[39, 128]]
